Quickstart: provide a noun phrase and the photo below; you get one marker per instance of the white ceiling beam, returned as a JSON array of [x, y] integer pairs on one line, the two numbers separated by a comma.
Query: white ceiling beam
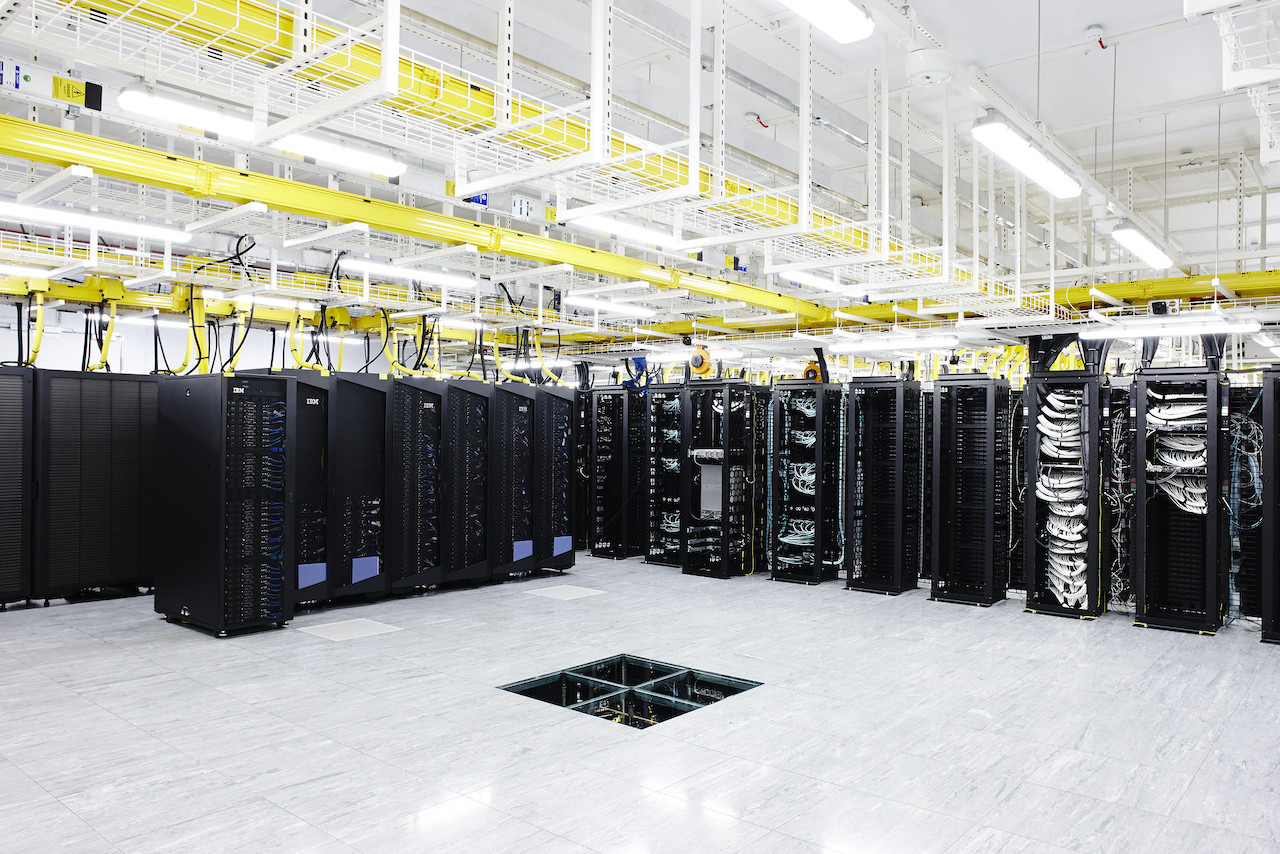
[[436, 255], [63, 179], [327, 234], [225, 218]]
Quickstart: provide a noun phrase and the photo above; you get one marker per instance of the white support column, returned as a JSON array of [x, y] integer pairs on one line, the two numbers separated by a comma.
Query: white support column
[[506, 60], [694, 178], [601, 78], [719, 52], [904, 170], [304, 27], [1053, 254], [884, 145], [806, 127], [976, 184], [992, 240], [949, 169], [390, 47], [873, 139], [1019, 231]]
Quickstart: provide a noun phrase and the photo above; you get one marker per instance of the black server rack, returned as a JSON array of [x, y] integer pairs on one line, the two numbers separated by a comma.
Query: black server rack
[[582, 495], [619, 449], [96, 480], [971, 465], [308, 427], [16, 411], [720, 513], [514, 517], [227, 442], [1017, 493], [1244, 501], [556, 477], [468, 428], [884, 485], [417, 446], [1269, 580], [667, 460], [926, 517], [1179, 520], [1117, 496], [806, 482], [1063, 535]]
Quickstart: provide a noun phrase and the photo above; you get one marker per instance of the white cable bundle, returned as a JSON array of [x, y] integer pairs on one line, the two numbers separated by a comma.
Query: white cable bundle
[[670, 435], [805, 438], [670, 523], [806, 405], [1185, 453], [671, 404], [1060, 483], [804, 478], [800, 532]]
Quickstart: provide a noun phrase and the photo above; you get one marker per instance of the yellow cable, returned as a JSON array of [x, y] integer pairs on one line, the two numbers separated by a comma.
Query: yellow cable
[[293, 345], [497, 360], [537, 346], [39, 333], [106, 345], [341, 348]]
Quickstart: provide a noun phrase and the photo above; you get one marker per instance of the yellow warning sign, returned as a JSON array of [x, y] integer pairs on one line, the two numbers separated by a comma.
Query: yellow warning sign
[[65, 89]]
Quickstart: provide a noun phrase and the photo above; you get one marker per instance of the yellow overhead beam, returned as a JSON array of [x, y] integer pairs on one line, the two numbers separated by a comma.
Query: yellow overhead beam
[[199, 179]]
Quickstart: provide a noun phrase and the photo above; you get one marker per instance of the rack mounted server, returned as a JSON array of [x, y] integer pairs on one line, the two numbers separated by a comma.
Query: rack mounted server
[[1270, 569], [721, 429], [1062, 530], [469, 420], [231, 442], [557, 466], [95, 464], [619, 449], [16, 408], [583, 499], [971, 457], [884, 482], [416, 449], [667, 457], [1179, 523], [806, 486]]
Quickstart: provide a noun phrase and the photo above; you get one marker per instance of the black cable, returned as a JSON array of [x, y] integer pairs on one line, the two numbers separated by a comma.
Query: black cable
[[271, 362], [84, 352], [22, 354], [160, 343], [235, 349], [373, 358]]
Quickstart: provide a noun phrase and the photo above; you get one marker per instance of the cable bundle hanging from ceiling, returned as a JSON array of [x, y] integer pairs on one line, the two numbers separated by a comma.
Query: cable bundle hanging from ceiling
[[1177, 464], [1060, 483]]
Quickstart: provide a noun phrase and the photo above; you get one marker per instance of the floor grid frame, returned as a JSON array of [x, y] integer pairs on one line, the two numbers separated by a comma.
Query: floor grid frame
[[883, 724]]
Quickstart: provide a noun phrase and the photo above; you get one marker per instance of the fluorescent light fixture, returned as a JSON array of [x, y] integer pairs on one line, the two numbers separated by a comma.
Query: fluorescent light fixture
[[265, 301], [1265, 340], [63, 179], [993, 131], [18, 270], [839, 19], [149, 320], [1163, 327], [761, 319], [891, 343], [1128, 236], [1275, 351], [438, 278], [225, 218], [626, 230], [144, 100], [856, 318], [822, 282], [15, 212], [640, 330], [337, 154], [418, 312], [606, 305]]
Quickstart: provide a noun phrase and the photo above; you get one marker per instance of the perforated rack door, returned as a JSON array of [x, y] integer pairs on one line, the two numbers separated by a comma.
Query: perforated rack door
[[16, 392], [512, 520], [415, 483], [1269, 581], [667, 459], [468, 415], [884, 494], [971, 490], [357, 486], [619, 452], [557, 478], [95, 465], [1177, 554]]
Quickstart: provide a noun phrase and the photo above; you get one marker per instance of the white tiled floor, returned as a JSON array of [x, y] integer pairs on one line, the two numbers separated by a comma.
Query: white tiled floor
[[883, 725]]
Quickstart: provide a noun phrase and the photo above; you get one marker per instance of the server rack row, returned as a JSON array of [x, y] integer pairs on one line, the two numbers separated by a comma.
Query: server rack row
[[478, 486], [722, 421], [17, 393], [885, 485], [971, 491], [806, 482]]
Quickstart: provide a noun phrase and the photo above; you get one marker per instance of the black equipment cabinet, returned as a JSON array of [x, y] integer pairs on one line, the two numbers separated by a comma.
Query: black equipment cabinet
[[468, 430], [971, 496], [667, 458], [1179, 521], [884, 485], [1062, 530], [719, 468], [582, 495], [1269, 579], [16, 408], [229, 441], [1243, 474], [806, 482], [417, 447], [1117, 493], [516, 508], [97, 482], [1017, 494], [556, 480], [619, 449]]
